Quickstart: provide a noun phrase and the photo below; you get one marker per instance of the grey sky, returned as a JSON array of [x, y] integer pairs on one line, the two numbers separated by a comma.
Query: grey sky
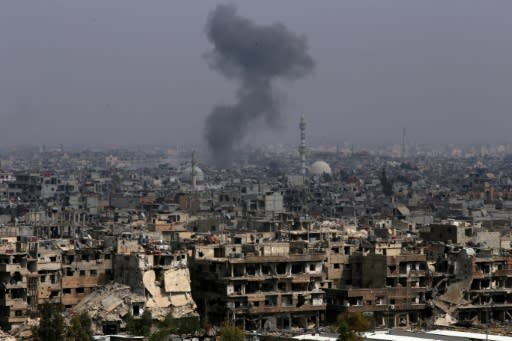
[[127, 71]]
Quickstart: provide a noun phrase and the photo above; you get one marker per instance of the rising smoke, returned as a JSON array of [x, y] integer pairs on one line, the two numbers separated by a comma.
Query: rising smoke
[[254, 56]]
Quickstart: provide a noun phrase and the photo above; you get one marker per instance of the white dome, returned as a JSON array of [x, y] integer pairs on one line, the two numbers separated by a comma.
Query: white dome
[[320, 168], [186, 174]]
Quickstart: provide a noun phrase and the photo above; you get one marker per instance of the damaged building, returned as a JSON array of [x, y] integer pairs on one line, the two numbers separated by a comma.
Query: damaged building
[[391, 283], [158, 274], [263, 286]]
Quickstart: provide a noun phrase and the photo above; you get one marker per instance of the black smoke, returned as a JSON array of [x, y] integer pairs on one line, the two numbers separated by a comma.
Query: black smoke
[[254, 56]]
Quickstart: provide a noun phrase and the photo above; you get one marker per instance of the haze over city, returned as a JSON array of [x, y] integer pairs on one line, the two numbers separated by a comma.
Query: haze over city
[[255, 170], [131, 72]]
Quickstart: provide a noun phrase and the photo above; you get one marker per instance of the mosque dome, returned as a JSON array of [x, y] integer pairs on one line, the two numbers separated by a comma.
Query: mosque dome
[[186, 174], [320, 168]]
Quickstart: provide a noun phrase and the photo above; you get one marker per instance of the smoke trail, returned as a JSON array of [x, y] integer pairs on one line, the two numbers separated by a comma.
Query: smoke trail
[[253, 56]]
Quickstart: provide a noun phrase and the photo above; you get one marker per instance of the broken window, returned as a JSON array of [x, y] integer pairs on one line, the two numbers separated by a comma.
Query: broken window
[[238, 270], [297, 268], [301, 301], [281, 268], [251, 269], [267, 286], [238, 289], [218, 252], [271, 301], [266, 269], [286, 300], [17, 293]]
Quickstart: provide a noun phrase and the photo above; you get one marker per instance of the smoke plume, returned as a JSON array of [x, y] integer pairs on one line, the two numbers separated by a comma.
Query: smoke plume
[[253, 56]]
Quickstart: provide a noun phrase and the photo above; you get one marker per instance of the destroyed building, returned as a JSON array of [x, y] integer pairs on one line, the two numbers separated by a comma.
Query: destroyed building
[[259, 285], [383, 279], [54, 271], [158, 274]]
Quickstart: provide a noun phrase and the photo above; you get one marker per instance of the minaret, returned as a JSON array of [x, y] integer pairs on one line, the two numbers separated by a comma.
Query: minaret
[[194, 174], [302, 146]]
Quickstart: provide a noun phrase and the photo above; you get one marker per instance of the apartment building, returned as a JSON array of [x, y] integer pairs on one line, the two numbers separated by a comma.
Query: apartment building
[[265, 285]]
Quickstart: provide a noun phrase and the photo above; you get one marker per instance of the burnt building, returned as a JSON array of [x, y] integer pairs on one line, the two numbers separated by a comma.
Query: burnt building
[[265, 286]]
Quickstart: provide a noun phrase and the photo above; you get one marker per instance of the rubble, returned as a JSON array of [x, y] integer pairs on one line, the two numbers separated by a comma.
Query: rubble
[[108, 304]]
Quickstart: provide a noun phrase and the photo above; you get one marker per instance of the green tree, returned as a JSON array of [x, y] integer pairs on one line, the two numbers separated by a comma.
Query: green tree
[[141, 326], [230, 332], [351, 325], [51, 324], [80, 328], [171, 326]]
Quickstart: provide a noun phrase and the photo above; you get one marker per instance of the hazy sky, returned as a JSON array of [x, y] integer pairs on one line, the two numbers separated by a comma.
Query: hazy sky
[[132, 71]]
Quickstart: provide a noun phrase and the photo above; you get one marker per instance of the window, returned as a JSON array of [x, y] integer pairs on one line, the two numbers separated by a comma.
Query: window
[[82, 272], [94, 272]]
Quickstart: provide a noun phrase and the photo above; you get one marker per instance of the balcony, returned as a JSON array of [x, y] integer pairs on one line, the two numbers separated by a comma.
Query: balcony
[[503, 273], [14, 285], [286, 309], [13, 268], [14, 303]]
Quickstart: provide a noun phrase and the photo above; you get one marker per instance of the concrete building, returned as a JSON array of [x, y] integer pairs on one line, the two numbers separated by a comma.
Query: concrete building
[[264, 286]]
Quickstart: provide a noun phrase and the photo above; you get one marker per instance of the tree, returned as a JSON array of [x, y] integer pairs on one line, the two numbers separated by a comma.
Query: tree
[[230, 332], [139, 327], [171, 326], [351, 325], [51, 324], [80, 328]]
